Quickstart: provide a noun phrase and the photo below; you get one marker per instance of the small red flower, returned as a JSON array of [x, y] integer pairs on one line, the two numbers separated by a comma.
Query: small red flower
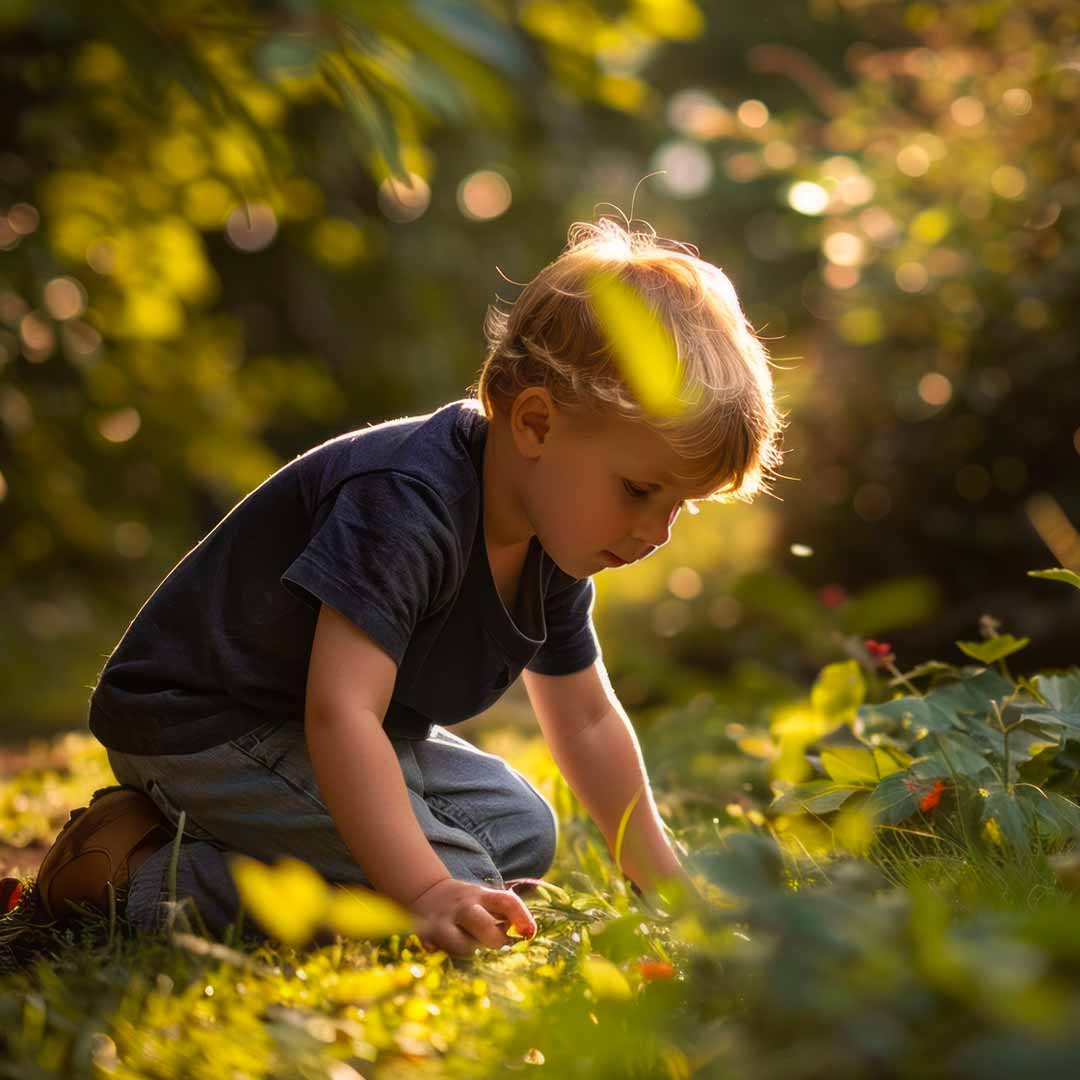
[[655, 969], [831, 596], [881, 651], [932, 797]]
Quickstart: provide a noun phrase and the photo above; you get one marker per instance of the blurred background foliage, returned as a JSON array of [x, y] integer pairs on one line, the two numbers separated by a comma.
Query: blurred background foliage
[[231, 230]]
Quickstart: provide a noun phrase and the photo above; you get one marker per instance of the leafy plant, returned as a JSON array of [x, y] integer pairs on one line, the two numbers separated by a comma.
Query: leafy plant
[[994, 753]]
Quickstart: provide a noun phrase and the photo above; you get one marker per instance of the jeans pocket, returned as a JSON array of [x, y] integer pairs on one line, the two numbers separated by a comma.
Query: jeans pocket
[[270, 743], [250, 741]]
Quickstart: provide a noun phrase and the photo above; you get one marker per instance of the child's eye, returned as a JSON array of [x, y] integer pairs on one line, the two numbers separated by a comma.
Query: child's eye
[[637, 493]]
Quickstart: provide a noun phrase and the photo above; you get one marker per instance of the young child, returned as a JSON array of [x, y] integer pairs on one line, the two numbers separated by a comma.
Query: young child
[[291, 683]]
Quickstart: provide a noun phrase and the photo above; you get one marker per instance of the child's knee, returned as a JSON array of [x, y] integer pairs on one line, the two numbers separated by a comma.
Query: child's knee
[[545, 831]]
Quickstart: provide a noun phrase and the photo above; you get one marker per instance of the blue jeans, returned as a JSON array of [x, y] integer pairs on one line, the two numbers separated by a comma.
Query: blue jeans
[[257, 795]]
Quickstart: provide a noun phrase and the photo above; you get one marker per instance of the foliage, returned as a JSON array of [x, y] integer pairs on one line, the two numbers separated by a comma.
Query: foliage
[[208, 266], [937, 940], [1002, 753], [936, 189]]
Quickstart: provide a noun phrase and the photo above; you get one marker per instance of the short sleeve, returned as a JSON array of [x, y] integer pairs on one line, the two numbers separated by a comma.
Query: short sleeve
[[385, 555], [571, 643]]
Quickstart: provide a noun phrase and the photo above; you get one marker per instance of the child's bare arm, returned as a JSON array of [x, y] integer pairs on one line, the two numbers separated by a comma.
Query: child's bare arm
[[350, 681]]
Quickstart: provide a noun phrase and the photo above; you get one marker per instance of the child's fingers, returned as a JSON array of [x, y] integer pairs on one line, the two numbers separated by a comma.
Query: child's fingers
[[482, 925], [512, 908]]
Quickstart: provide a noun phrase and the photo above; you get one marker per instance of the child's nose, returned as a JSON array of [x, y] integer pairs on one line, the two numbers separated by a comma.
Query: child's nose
[[653, 532]]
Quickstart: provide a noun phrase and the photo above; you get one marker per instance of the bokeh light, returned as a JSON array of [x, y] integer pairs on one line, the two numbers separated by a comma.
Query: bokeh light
[[685, 582], [23, 218], [844, 248], [911, 277], [251, 227], [753, 113], [967, 111], [687, 167], [1008, 181], [401, 202], [913, 160], [484, 195], [698, 114], [64, 298], [120, 426], [807, 197], [935, 388], [1016, 101]]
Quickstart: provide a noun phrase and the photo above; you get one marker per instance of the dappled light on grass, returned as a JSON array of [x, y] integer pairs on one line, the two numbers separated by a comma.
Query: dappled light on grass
[[915, 882]]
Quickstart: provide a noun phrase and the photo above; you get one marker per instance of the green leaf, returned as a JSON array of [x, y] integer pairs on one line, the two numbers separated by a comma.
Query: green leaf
[[1061, 692], [1065, 723], [996, 648], [891, 801], [971, 694], [953, 755], [860, 765], [364, 101], [931, 667], [641, 345], [480, 34], [1025, 742], [1058, 573], [815, 797], [1060, 816], [838, 692], [1011, 819], [918, 716]]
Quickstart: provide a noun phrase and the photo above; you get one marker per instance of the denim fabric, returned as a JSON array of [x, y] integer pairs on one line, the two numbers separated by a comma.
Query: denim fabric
[[257, 794]]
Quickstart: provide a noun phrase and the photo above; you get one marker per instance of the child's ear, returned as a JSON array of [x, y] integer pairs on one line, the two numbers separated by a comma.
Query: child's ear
[[530, 418]]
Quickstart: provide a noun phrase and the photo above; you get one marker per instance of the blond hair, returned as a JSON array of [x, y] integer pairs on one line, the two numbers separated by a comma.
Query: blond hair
[[550, 337]]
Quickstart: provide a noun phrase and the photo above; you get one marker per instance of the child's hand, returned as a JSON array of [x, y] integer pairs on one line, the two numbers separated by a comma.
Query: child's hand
[[459, 917]]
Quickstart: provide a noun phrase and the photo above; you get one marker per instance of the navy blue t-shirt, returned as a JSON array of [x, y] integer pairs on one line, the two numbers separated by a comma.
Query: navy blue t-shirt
[[383, 524]]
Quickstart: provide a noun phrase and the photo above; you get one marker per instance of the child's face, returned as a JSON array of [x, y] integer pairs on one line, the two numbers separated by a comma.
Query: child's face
[[600, 487]]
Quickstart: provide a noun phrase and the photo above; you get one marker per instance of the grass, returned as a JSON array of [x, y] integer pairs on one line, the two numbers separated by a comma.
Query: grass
[[931, 956]]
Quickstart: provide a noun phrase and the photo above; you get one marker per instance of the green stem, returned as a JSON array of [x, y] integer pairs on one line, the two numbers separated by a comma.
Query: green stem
[[174, 860], [112, 912], [901, 678]]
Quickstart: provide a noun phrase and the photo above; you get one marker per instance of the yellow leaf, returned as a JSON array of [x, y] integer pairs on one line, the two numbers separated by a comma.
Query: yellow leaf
[[758, 745], [604, 978], [288, 899], [642, 346], [679, 20], [361, 913], [838, 692], [854, 830], [992, 830]]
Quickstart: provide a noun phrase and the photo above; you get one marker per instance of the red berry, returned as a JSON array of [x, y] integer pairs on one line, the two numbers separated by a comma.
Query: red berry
[[11, 890], [933, 796], [655, 969], [831, 596]]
